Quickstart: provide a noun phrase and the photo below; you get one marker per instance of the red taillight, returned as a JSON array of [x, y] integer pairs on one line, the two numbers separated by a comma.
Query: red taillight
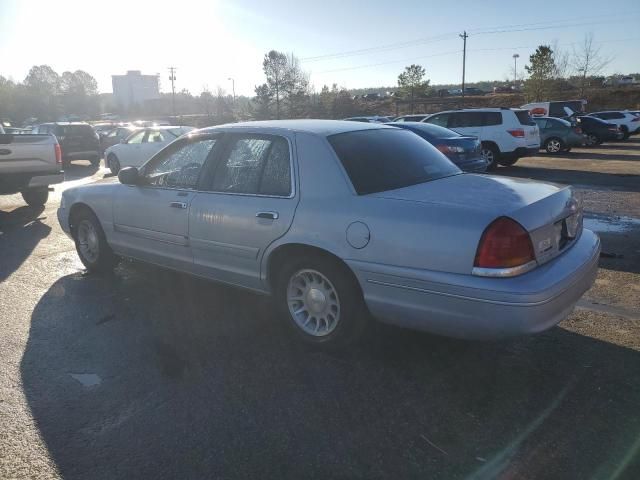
[[578, 130], [518, 133], [58, 151], [504, 244]]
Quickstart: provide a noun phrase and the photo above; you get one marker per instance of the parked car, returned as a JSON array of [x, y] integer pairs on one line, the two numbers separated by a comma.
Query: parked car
[[411, 118], [558, 109], [17, 131], [29, 164], [627, 122], [116, 135], [598, 131], [506, 134], [140, 146], [558, 135], [369, 119], [356, 218], [472, 91], [464, 151], [77, 140]]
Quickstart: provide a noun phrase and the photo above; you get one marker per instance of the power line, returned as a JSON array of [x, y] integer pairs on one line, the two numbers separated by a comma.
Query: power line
[[546, 25], [390, 62]]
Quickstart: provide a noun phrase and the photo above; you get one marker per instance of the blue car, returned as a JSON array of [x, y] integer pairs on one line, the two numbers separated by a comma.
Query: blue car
[[464, 151]]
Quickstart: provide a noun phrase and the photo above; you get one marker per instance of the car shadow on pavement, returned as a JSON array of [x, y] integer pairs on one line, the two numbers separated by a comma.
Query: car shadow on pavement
[[80, 169], [151, 374], [614, 181], [597, 155], [21, 230]]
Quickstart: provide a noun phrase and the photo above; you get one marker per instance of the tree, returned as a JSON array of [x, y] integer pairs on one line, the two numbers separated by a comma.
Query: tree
[[285, 81], [588, 60], [411, 81], [79, 92], [262, 102], [541, 70]]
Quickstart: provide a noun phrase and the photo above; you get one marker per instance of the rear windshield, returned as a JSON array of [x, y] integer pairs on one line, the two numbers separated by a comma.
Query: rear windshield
[[523, 117], [74, 130], [433, 131], [387, 159]]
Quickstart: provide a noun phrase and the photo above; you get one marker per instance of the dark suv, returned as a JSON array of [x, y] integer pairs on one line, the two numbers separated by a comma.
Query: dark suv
[[77, 140]]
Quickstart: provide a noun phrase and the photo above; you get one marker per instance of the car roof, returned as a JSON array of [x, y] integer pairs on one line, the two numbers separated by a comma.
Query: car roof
[[317, 127], [488, 109]]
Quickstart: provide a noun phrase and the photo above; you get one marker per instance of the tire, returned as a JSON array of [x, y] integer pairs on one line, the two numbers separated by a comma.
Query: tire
[[554, 145], [491, 154], [593, 140], [36, 197], [625, 130], [91, 243], [95, 161], [113, 163], [327, 291]]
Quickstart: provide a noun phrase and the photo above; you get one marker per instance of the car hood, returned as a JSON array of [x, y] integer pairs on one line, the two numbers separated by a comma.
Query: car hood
[[491, 195]]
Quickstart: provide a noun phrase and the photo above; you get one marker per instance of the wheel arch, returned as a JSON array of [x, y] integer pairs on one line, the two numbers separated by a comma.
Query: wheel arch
[[75, 210], [279, 255], [490, 143]]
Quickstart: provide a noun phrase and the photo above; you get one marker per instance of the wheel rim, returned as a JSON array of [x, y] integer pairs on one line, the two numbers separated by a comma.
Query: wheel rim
[[592, 140], [313, 303], [88, 241], [554, 146], [487, 154]]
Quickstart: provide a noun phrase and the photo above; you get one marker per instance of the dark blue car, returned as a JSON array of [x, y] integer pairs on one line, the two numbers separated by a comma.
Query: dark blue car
[[462, 150]]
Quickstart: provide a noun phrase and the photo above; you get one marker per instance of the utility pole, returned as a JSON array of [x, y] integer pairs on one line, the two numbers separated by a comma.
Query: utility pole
[[515, 70], [172, 77], [233, 89], [463, 36]]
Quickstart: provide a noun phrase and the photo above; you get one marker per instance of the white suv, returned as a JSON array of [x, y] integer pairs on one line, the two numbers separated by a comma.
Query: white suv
[[506, 134], [627, 122]]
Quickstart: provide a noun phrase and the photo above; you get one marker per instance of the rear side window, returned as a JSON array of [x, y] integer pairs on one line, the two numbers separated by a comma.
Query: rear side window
[[387, 159], [492, 118], [440, 119], [255, 165], [523, 117]]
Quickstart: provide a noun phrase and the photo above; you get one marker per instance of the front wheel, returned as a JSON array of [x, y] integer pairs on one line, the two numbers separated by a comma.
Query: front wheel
[[91, 243], [113, 163], [593, 140], [322, 301], [36, 197]]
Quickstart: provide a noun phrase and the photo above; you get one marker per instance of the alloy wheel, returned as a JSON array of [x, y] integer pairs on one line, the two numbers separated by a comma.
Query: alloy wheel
[[313, 302], [88, 241]]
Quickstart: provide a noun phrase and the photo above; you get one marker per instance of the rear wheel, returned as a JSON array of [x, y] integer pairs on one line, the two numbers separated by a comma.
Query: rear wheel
[[91, 243], [625, 131], [36, 197], [553, 145], [593, 140], [321, 300], [95, 160], [113, 163], [491, 154]]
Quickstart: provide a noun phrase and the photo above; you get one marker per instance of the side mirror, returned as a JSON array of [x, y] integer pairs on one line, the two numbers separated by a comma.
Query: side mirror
[[129, 176]]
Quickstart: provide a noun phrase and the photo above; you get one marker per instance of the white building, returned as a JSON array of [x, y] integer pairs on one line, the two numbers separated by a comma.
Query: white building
[[134, 88]]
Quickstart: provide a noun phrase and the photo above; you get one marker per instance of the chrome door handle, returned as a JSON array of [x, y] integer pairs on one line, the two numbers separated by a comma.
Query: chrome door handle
[[182, 205], [269, 215]]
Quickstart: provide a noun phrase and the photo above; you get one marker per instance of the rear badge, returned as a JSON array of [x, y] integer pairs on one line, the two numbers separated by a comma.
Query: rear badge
[[544, 245]]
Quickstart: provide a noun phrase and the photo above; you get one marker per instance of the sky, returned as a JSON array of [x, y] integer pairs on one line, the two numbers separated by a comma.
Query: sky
[[355, 44]]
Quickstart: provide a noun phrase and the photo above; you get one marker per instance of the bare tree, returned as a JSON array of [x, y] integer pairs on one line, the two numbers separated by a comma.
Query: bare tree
[[588, 60], [561, 60]]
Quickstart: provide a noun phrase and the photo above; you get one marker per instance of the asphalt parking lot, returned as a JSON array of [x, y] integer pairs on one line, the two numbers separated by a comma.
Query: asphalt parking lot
[[150, 374]]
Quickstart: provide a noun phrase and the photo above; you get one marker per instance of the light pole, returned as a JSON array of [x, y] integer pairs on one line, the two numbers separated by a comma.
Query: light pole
[[172, 77], [464, 37], [515, 70], [233, 89]]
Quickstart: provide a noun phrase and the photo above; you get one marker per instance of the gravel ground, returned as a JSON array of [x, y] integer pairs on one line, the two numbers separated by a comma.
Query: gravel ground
[[150, 374]]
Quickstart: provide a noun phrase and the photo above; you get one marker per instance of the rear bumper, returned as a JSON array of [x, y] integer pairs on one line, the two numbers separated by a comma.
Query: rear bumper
[[16, 182], [81, 155], [470, 307]]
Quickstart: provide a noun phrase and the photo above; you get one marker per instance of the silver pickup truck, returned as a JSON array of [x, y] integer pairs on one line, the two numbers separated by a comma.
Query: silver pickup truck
[[28, 165]]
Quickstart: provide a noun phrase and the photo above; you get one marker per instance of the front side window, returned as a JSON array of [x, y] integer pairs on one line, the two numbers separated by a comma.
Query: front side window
[[255, 165], [387, 159], [179, 167], [136, 138]]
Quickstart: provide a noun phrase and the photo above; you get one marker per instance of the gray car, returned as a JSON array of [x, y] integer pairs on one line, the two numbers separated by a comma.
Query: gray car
[[339, 221]]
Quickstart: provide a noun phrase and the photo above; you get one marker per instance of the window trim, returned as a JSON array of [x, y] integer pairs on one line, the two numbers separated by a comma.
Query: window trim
[[228, 139]]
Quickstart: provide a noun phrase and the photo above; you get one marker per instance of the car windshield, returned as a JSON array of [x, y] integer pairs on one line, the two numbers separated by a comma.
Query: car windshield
[[388, 159]]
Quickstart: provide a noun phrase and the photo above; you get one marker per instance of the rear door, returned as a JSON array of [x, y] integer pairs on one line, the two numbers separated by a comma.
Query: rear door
[[250, 202], [467, 123]]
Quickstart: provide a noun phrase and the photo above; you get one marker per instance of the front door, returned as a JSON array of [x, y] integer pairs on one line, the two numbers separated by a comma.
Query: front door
[[151, 220], [250, 202]]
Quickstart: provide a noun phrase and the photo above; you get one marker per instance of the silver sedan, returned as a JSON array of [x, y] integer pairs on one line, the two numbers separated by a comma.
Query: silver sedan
[[342, 221]]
